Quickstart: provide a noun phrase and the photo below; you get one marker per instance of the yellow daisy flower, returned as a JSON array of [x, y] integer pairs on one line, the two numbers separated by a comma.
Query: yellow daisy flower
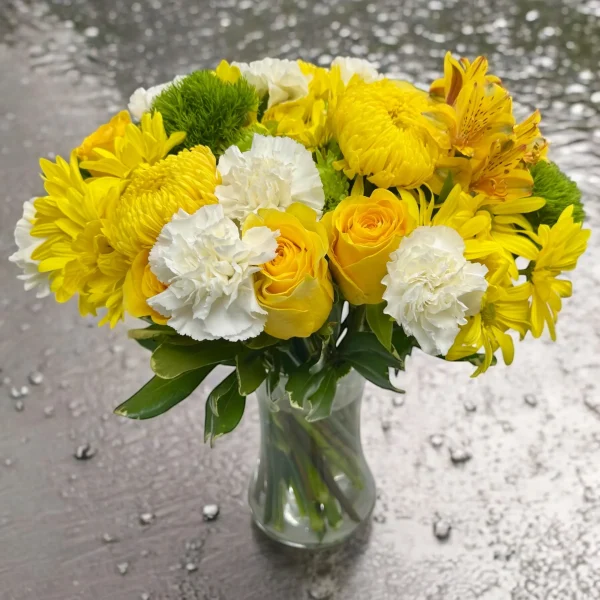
[[145, 144], [560, 247], [75, 252], [502, 308]]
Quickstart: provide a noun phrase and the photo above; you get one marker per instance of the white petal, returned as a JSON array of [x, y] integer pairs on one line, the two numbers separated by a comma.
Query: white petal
[[431, 288], [209, 270], [274, 173]]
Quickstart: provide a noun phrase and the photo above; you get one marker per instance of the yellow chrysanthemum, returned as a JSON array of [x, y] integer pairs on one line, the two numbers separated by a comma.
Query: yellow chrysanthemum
[[141, 145], [154, 194], [560, 248], [75, 251], [384, 134], [104, 137]]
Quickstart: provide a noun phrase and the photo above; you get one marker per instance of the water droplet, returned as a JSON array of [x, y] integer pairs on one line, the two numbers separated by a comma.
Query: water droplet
[[36, 378], [25, 327], [385, 425], [530, 400], [398, 400], [144, 553], [146, 518], [108, 539], [19, 406], [470, 406], [436, 440], [49, 411], [442, 529], [8, 462], [84, 452], [91, 32], [210, 512], [379, 518], [123, 568], [24, 391], [6, 380], [191, 567], [144, 596], [532, 15], [460, 455]]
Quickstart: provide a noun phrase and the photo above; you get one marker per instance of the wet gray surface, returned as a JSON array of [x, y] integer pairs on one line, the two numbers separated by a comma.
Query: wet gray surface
[[127, 523]]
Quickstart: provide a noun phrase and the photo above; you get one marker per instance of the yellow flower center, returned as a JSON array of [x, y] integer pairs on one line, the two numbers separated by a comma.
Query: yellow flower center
[[156, 192], [488, 314]]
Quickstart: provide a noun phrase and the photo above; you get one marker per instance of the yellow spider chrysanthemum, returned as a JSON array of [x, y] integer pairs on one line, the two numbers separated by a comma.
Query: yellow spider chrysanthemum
[[145, 144], [385, 135], [75, 251], [502, 308], [560, 247]]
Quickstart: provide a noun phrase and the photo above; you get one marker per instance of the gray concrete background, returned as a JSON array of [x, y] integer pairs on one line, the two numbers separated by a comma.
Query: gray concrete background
[[524, 510]]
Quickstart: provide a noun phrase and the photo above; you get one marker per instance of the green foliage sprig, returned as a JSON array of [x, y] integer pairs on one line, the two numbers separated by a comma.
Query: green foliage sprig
[[212, 112]]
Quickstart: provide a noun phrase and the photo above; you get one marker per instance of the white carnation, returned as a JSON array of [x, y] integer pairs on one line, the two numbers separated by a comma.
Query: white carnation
[[431, 287], [282, 79], [209, 269], [22, 257], [274, 173], [141, 100], [356, 66]]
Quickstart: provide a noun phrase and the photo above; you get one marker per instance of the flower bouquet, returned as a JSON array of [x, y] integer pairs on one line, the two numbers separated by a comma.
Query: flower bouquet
[[307, 227]]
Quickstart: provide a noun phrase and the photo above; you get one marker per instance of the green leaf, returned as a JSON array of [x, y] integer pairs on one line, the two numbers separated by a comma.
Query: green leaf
[[446, 187], [381, 324], [159, 395], [264, 340], [301, 384], [403, 344], [251, 371], [363, 351], [322, 399], [224, 409], [151, 345], [170, 360]]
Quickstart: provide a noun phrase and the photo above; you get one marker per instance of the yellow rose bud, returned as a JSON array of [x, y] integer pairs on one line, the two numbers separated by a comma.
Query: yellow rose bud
[[363, 232], [295, 287], [104, 137]]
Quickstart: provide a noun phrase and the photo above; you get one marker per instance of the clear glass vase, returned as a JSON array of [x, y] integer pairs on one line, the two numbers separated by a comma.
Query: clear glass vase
[[312, 487]]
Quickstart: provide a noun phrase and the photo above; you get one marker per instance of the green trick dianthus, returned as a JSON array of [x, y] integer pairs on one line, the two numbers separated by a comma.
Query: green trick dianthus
[[212, 112], [559, 191], [335, 183]]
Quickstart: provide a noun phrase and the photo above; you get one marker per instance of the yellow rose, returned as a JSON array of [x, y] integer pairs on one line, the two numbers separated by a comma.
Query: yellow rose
[[295, 287], [363, 232], [139, 285], [104, 137]]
